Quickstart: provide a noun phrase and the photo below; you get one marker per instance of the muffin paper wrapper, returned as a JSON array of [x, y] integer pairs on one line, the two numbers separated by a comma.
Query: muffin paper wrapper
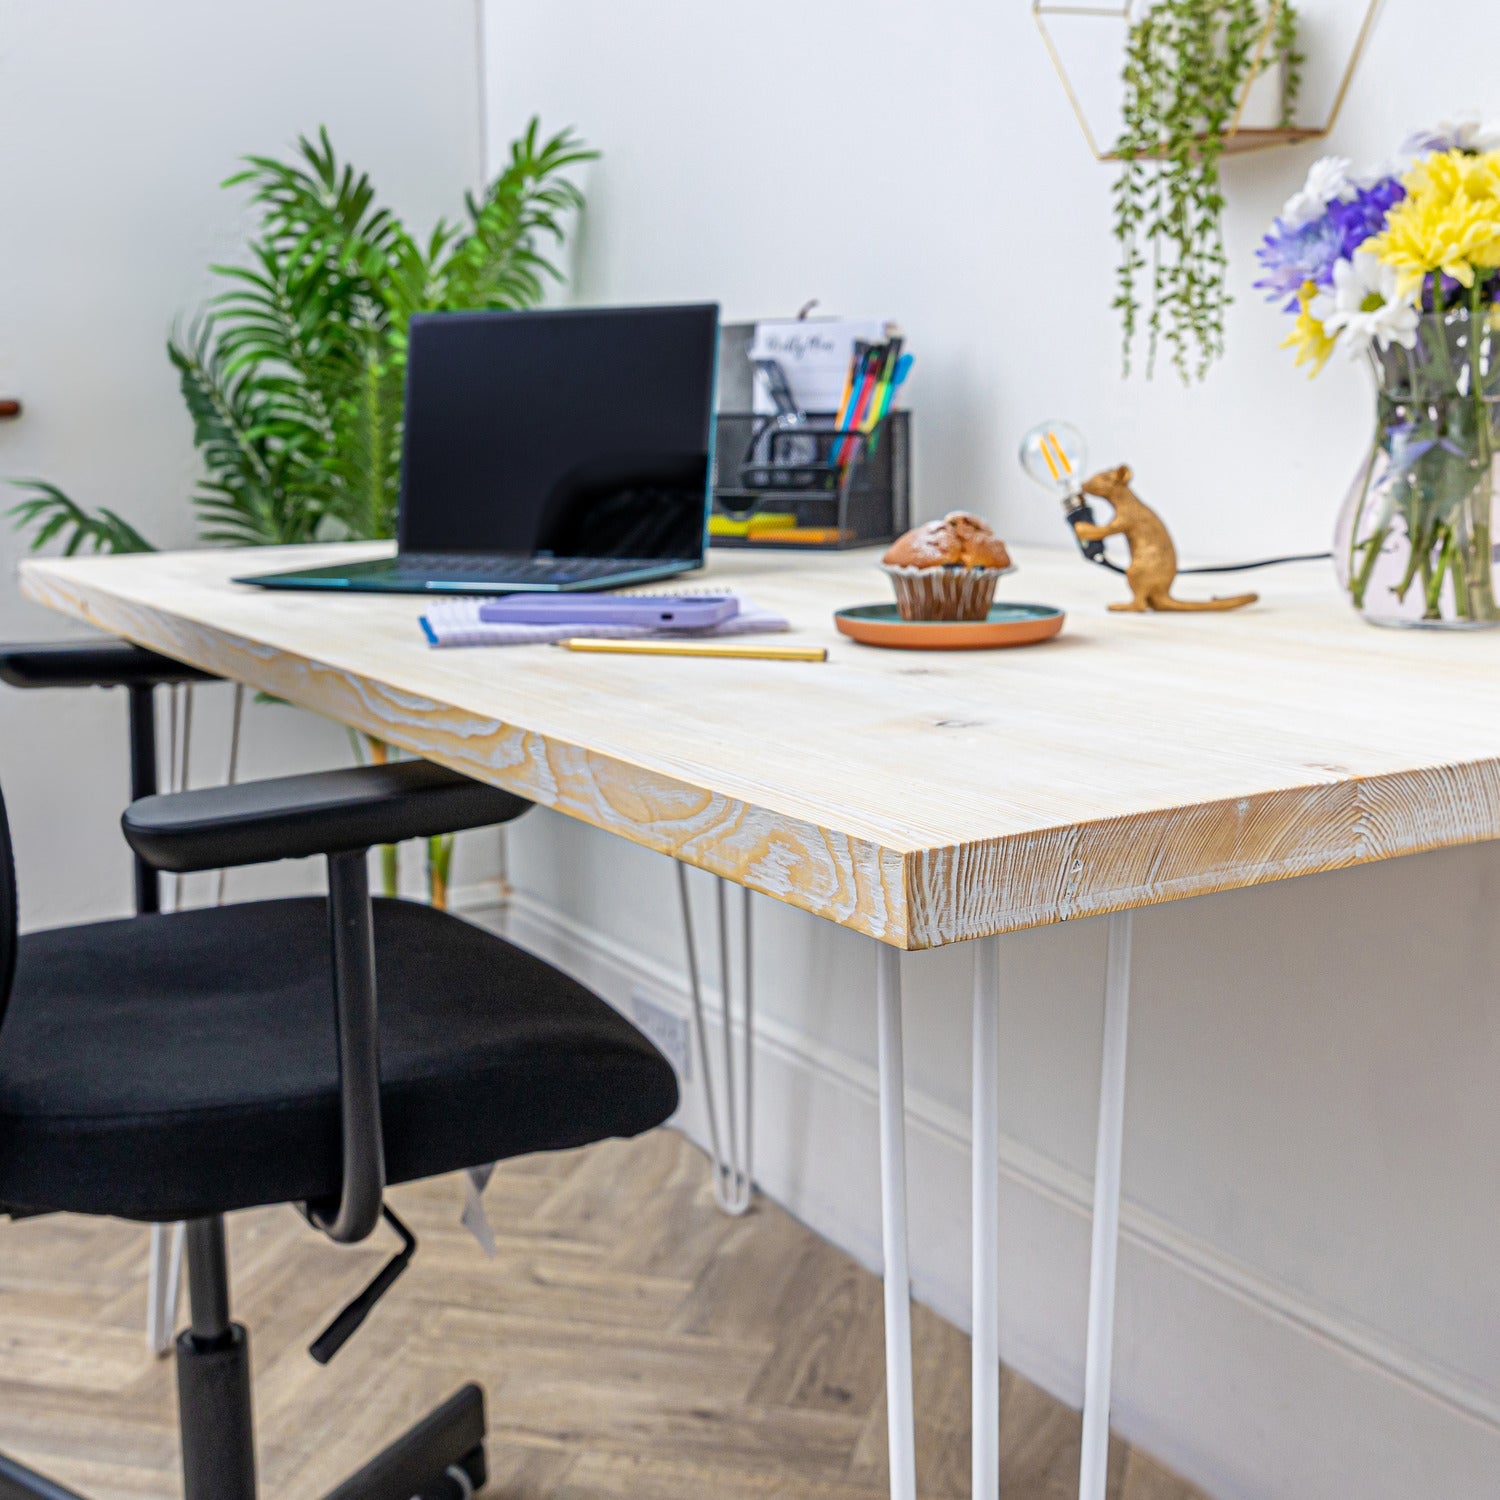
[[944, 593]]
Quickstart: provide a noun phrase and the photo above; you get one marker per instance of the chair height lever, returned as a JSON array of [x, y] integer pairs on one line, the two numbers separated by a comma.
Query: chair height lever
[[346, 1324]]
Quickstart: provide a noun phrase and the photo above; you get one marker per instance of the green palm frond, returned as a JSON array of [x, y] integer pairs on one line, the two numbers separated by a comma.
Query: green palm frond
[[321, 206], [295, 381], [366, 457], [324, 214], [52, 515], [288, 313], [498, 262], [237, 426], [293, 376], [287, 329]]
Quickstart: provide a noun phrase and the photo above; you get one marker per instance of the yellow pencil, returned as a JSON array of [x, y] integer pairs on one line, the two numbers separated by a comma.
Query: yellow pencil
[[696, 648]]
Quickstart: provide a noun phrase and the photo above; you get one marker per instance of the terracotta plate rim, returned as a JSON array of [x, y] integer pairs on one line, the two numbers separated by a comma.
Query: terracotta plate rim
[[951, 635]]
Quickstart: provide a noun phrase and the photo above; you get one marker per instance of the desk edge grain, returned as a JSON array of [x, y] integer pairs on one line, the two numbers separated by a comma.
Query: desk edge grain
[[910, 899]]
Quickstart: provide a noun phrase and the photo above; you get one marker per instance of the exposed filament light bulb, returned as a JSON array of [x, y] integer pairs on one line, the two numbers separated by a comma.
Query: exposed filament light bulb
[[1055, 455]]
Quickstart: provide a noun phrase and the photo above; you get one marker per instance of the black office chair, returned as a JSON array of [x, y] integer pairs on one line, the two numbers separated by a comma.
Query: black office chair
[[179, 1067], [104, 662]]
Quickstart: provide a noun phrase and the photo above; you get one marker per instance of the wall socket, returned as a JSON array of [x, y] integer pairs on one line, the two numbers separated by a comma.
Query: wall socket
[[669, 1031]]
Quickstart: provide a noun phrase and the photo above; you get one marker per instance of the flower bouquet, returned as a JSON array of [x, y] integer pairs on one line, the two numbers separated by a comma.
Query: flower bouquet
[[1400, 269]]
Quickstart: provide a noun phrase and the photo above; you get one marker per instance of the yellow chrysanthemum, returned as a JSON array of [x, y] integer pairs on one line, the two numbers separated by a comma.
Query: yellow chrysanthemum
[[1449, 220], [1308, 336]]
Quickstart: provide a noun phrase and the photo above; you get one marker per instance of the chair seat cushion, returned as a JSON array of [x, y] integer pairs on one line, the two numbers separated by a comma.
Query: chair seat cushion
[[170, 1067]]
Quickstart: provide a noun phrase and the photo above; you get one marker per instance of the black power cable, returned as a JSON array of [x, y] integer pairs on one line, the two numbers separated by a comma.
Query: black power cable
[[1244, 567], [1265, 562], [1095, 553]]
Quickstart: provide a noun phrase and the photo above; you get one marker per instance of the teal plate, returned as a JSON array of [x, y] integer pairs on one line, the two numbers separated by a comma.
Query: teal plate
[[1005, 625]]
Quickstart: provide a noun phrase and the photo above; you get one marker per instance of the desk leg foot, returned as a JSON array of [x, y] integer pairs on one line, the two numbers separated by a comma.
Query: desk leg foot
[[900, 1416], [1094, 1468], [985, 1167], [733, 1171]]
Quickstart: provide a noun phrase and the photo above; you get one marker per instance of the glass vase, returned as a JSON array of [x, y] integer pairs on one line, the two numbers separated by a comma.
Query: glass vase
[[1413, 545]]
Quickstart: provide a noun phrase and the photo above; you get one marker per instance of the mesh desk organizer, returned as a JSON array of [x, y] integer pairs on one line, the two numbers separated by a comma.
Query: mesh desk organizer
[[839, 488]]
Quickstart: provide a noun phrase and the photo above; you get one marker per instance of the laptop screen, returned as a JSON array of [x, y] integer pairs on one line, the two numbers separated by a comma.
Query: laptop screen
[[583, 432]]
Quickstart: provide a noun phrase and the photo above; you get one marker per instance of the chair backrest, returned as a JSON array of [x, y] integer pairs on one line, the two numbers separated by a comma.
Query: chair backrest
[[7, 912]]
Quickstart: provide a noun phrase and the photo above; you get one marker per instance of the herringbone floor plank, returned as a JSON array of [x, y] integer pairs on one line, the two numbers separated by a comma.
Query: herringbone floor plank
[[633, 1342]]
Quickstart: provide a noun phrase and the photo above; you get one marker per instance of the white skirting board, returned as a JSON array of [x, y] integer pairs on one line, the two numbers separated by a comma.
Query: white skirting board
[[1241, 1385]]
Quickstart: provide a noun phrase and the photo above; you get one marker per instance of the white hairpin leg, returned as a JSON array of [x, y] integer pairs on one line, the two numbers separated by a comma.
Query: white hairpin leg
[[733, 1173], [900, 1416], [164, 1287], [164, 1279], [1094, 1467], [985, 1189]]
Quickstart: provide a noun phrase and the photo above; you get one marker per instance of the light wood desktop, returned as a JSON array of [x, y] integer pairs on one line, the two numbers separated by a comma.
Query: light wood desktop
[[918, 798]]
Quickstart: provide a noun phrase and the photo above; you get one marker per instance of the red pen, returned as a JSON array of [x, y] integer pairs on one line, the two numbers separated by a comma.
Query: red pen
[[869, 384]]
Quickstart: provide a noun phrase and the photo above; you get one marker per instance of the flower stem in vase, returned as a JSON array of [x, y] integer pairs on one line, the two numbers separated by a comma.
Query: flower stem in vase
[[1441, 339], [1372, 547], [1359, 571], [1433, 577], [1479, 593], [1416, 559]]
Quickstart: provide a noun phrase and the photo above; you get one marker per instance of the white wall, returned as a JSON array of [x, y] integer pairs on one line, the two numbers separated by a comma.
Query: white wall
[[121, 122], [1308, 1302]]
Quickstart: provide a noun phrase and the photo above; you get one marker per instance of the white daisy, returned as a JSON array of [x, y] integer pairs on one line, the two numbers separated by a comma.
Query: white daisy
[[1327, 179], [1363, 308], [1465, 132]]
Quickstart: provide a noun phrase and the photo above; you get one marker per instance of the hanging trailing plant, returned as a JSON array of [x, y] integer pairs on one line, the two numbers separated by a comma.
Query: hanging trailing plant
[[1188, 64]]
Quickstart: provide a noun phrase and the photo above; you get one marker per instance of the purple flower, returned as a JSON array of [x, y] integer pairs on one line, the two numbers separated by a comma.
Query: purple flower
[[1293, 257], [1465, 132], [1364, 215]]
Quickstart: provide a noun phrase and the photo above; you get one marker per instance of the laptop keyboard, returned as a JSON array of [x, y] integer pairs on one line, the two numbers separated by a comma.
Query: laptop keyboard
[[482, 567]]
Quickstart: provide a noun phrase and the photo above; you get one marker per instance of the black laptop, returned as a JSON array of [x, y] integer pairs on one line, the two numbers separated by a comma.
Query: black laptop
[[547, 451]]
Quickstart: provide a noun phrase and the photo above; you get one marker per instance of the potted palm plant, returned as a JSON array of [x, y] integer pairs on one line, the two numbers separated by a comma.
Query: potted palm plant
[[293, 375]]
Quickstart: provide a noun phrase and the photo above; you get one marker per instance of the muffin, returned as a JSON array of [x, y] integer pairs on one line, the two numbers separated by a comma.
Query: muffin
[[946, 570]]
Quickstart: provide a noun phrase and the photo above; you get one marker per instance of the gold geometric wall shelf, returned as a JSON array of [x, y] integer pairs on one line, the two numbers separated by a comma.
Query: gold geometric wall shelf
[[1086, 43]]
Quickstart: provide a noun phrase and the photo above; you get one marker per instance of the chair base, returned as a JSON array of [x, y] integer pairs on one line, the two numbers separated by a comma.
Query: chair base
[[17, 1482], [441, 1458]]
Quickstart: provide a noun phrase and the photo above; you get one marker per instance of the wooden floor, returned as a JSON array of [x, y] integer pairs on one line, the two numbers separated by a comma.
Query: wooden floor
[[632, 1341]]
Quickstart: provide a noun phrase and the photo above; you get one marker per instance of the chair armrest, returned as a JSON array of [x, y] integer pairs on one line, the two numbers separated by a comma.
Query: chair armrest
[[356, 1020], [322, 812], [101, 663]]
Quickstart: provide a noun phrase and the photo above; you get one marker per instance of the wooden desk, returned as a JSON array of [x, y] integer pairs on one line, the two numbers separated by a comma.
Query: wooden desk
[[920, 799]]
